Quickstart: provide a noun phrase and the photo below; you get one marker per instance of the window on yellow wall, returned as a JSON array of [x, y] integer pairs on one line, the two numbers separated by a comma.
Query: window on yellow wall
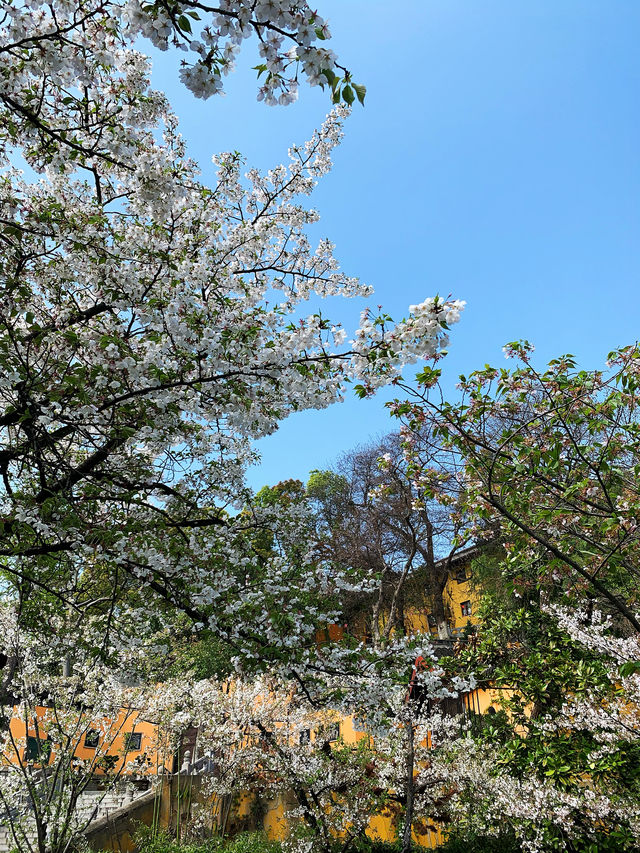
[[450, 707], [465, 607], [92, 739], [266, 741], [132, 741], [332, 732], [38, 749], [461, 574]]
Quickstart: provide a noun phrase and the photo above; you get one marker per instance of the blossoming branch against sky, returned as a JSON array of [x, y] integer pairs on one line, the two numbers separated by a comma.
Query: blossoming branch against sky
[[496, 160]]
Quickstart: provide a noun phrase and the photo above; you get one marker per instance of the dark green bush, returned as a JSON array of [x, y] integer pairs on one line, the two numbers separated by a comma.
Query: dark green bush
[[162, 842], [466, 844], [480, 844], [366, 845], [250, 842]]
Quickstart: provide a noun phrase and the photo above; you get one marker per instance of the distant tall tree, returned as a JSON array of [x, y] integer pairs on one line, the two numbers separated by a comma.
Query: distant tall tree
[[387, 525]]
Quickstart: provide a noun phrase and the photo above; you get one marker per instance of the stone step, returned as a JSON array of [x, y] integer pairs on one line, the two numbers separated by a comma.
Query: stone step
[[92, 805]]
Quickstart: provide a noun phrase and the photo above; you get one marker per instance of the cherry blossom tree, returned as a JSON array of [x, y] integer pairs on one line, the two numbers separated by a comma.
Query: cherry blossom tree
[[151, 327], [550, 461], [552, 456], [556, 765]]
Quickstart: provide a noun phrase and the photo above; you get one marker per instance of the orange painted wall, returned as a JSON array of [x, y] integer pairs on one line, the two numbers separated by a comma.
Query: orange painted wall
[[151, 758]]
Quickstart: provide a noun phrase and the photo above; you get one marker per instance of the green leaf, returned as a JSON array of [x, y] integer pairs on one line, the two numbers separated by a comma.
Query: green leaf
[[360, 91], [184, 23], [331, 77], [347, 95], [428, 376]]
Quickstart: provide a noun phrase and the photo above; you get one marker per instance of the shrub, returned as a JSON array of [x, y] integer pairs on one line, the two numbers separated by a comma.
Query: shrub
[[480, 844], [161, 841], [249, 842]]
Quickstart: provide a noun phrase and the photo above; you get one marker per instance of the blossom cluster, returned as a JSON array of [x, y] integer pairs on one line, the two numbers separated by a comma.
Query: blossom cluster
[[420, 336], [287, 31]]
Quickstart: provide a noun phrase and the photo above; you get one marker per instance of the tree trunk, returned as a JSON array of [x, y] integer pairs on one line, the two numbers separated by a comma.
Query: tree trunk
[[436, 583], [377, 608]]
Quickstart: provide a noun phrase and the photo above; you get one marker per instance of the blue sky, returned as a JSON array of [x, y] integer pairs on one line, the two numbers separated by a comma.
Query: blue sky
[[496, 160]]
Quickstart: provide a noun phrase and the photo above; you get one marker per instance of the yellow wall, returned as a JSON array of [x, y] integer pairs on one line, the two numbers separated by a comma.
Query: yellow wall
[[418, 609], [150, 759], [454, 595]]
